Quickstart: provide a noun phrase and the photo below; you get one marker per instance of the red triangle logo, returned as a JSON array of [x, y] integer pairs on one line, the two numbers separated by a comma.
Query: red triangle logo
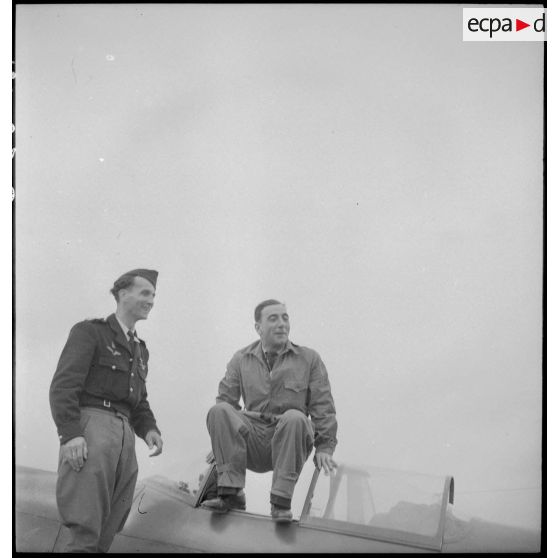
[[519, 25]]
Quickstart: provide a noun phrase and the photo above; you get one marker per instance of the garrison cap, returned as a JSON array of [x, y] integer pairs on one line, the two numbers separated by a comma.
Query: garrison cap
[[149, 274]]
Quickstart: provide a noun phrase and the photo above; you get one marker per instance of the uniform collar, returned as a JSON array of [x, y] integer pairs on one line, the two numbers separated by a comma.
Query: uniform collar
[[120, 332], [125, 329]]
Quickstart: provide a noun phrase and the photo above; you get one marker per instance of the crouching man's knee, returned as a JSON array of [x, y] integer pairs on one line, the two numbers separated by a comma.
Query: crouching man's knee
[[293, 416], [218, 413]]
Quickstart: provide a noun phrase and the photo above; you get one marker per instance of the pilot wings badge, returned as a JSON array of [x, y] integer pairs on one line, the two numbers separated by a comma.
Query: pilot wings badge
[[113, 350]]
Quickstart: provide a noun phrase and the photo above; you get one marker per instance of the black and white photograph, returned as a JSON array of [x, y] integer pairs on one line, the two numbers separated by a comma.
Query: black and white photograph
[[279, 277]]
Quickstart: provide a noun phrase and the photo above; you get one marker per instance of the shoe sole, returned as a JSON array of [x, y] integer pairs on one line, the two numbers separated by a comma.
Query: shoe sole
[[282, 519], [214, 510], [221, 510]]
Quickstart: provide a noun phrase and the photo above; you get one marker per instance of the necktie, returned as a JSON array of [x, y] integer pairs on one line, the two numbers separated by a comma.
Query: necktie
[[132, 342]]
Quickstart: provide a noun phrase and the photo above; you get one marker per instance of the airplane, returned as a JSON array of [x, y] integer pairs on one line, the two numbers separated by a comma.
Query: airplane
[[357, 509]]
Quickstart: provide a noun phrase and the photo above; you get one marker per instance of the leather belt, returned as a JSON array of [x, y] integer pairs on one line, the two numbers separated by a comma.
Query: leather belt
[[88, 400]]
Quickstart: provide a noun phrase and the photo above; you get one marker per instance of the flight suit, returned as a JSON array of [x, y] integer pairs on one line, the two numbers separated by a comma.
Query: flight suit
[[286, 411], [99, 392]]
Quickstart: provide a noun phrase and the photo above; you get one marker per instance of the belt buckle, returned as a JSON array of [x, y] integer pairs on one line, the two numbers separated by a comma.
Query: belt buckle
[[106, 403]]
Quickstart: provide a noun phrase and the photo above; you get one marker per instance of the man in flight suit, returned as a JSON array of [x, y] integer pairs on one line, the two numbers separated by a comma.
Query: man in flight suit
[[98, 401], [281, 385]]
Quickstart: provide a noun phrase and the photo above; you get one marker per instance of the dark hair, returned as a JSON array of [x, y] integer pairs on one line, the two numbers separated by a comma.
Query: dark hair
[[261, 306], [122, 283]]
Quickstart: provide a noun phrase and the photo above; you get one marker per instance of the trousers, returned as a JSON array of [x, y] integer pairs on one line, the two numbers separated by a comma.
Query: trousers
[[94, 502], [242, 440]]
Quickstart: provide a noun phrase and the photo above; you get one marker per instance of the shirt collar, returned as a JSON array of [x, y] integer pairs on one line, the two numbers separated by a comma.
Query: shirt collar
[[125, 329], [258, 349]]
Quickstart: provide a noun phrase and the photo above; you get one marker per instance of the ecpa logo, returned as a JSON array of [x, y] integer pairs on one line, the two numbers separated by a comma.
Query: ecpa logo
[[504, 24]]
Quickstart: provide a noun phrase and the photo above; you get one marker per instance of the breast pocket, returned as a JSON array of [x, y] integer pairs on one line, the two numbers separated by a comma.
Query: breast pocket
[[295, 393], [116, 377]]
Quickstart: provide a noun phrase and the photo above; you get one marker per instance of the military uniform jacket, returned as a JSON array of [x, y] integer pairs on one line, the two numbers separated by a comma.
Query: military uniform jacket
[[299, 380], [98, 368]]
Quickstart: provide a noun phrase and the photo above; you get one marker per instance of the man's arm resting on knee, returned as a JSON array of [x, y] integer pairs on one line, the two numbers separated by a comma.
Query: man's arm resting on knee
[[229, 386]]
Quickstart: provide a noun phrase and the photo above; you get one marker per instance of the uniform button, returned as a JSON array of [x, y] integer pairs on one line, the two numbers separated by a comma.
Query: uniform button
[[132, 374], [131, 360], [131, 389], [114, 367]]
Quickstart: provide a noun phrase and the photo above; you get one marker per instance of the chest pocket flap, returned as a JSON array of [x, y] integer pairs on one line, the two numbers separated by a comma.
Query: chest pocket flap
[[113, 363], [295, 385]]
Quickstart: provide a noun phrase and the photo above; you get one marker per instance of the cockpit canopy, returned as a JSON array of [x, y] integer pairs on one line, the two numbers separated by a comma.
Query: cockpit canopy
[[382, 504]]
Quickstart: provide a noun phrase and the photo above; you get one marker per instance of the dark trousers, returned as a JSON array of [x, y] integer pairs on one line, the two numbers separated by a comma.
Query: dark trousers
[[243, 440], [94, 502]]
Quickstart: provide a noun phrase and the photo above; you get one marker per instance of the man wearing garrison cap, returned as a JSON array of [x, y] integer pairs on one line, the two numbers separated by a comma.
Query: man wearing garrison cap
[[98, 400]]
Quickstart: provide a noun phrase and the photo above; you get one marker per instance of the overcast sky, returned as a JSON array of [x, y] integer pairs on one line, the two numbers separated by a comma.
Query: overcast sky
[[359, 162]]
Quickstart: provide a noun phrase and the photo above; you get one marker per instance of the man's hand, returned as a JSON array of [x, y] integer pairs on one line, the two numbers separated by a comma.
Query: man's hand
[[74, 451], [210, 458], [153, 438], [323, 459]]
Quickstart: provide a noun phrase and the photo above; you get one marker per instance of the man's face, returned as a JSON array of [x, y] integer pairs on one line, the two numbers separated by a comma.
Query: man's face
[[274, 326], [137, 300]]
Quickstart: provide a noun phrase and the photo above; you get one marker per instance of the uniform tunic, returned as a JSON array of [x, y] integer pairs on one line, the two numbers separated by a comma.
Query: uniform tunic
[[99, 392], [273, 431]]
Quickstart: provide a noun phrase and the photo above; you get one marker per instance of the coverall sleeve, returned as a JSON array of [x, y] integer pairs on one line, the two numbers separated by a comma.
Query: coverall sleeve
[[142, 418], [322, 408], [69, 379], [229, 386]]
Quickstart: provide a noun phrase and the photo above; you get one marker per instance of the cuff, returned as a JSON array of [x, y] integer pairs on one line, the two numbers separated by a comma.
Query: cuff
[[68, 432], [142, 430], [328, 447], [280, 501]]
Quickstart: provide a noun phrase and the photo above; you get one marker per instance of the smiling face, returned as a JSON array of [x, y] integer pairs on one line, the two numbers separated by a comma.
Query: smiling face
[[136, 301], [273, 327]]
